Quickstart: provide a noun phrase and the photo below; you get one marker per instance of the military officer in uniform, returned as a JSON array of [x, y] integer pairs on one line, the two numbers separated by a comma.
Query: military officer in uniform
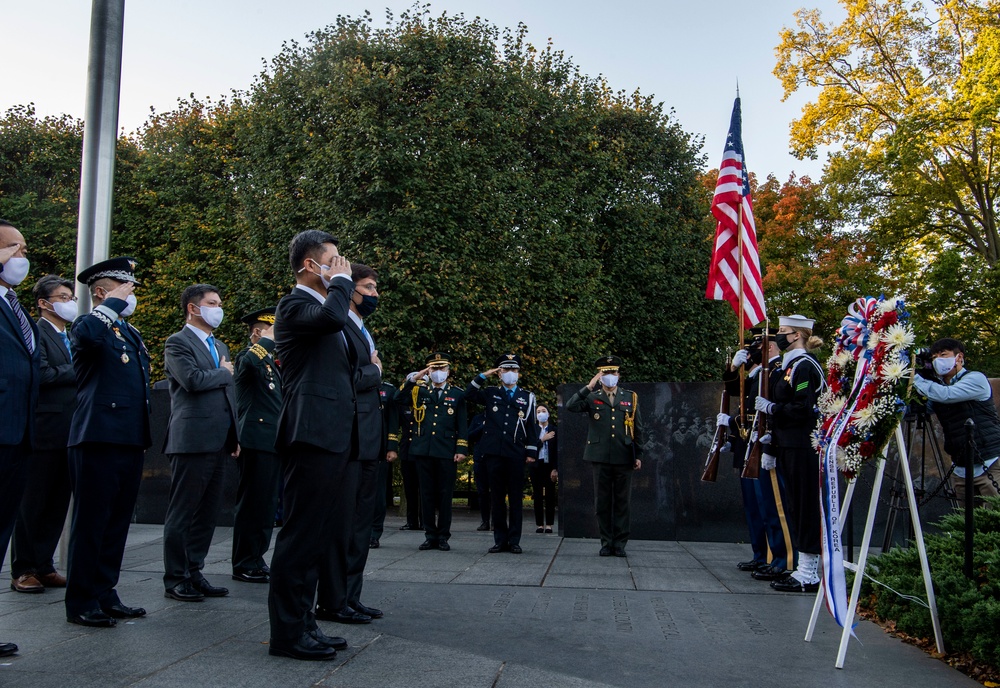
[[108, 437], [510, 437], [390, 440], [439, 441], [614, 447], [258, 403]]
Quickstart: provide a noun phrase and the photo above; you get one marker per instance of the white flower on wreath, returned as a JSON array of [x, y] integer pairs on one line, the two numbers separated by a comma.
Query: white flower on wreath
[[899, 336], [893, 371], [842, 358], [873, 339], [866, 417], [887, 305]]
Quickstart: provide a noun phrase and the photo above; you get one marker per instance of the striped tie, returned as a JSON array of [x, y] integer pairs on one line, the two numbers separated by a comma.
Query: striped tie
[[22, 318]]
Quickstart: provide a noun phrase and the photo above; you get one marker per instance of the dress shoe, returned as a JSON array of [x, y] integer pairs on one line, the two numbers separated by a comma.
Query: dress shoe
[[750, 565], [27, 582], [407, 526], [540, 529], [373, 544], [792, 584], [306, 647], [444, 546], [252, 576], [605, 551], [768, 573], [428, 544], [184, 592], [207, 589], [94, 618], [334, 641], [347, 615], [120, 611], [548, 530], [485, 525], [367, 611], [7, 649], [497, 548], [53, 579], [618, 551], [515, 549]]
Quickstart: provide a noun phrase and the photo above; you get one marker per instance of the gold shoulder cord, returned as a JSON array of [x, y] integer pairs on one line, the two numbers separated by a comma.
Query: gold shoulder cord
[[418, 411], [630, 417]]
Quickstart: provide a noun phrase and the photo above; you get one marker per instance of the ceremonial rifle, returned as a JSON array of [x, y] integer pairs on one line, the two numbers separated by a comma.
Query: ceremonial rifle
[[751, 467], [718, 442]]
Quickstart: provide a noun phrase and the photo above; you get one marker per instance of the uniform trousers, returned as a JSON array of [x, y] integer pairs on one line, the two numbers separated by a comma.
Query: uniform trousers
[[340, 580], [411, 491], [772, 498], [754, 518], [42, 515], [319, 506], [105, 480], [482, 475], [612, 495], [14, 461], [383, 492], [196, 487], [800, 468], [506, 483], [256, 503], [437, 487], [543, 493]]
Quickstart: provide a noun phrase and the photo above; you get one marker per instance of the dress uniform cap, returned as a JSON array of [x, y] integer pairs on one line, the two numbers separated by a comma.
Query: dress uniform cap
[[508, 361], [607, 363], [121, 269], [759, 331], [796, 321], [438, 358], [263, 315]]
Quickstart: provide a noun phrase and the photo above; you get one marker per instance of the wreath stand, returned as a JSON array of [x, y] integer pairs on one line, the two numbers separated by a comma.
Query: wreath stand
[[918, 537]]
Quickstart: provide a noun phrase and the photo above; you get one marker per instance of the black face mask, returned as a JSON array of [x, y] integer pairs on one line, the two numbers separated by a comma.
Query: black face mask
[[367, 306], [756, 356], [781, 340]]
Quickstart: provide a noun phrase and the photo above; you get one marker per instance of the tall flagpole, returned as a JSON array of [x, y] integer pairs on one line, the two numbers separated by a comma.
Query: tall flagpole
[[739, 316]]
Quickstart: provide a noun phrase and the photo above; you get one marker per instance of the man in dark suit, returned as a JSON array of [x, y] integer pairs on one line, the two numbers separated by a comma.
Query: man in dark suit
[[340, 595], [317, 439], [107, 438], [258, 402], [544, 472], [201, 437], [46, 498], [383, 482], [19, 373], [440, 440], [510, 437]]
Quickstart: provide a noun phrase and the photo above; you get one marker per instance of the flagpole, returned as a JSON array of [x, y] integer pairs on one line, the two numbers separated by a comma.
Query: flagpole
[[739, 316]]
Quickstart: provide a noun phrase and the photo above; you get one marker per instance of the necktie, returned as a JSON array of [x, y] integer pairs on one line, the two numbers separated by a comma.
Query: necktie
[[215, 352], [22, 319], [65, 339], [510, 395], [368, 336]]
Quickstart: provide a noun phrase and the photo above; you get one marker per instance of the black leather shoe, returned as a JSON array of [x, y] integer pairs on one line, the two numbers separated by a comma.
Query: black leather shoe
[[367, 611], [251, 576], [540, 529], [484, 526], [120, 611], [7, 649], [792, 584], [334, 641], [373, 544], [184, 592], [347, 615], [305, 647], [750, 565], [497, 548], [618, 551], [769, 573], [428, 544], [515, 549], [444, 546], [94, 618], [407, 526], [605, 551], [207, 589]]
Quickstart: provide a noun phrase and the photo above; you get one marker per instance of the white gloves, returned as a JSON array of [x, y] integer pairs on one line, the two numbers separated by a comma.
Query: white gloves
[[722, 420], [766, 439], [740, 358], [763, 405], [768, 462]]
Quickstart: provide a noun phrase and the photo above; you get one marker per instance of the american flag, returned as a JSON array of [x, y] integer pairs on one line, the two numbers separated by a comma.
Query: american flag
[[732, 192]]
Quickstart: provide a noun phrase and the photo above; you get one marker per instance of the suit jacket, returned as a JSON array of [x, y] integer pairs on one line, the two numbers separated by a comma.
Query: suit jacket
[[57, 394], [367, 384], [19, 378], [202, 397], [608, 440], [318, 406], [258, 395], [444, 430], [511, 429], [552, 445], [112, 380]]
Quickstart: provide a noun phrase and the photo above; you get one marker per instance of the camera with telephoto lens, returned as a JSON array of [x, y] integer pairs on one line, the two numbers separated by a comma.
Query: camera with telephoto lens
[[924, 365]]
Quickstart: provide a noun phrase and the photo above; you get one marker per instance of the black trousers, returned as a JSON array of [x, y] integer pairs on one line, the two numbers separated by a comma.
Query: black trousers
[[14, 460], [383, 494], [506, 482], [799, 466], [482, 475], [196, 485], [105, 480], [319, 504], [256, 502], [42, 514], [543, 493], [612, 497], [437, 487], [340, 586], [411, 490]]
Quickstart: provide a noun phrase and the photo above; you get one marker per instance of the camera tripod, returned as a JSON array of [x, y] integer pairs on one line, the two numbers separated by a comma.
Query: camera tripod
[[917, 421]]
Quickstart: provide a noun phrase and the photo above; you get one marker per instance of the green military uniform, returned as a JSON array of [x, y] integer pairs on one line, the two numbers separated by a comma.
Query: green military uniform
[[258, 403], [614, 445]]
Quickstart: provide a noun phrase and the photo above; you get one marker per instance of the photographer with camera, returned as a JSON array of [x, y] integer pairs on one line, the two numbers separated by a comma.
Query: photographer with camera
[[957, 394]]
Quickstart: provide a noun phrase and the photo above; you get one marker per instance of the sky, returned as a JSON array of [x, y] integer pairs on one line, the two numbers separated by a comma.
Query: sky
[[688, 54]]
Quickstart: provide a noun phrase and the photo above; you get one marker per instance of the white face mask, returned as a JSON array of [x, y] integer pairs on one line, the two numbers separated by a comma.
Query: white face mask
[[212, 315], [322, 269], [67, 310], [130, 308], [15, 270], [609, 381], [542, 416], [509, 377], [439, 376], [943, 366]]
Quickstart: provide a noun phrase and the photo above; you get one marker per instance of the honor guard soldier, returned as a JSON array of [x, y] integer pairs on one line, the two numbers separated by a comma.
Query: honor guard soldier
[[390, 441], [614, 447], [510, 437], [258, 403], [439, 440]]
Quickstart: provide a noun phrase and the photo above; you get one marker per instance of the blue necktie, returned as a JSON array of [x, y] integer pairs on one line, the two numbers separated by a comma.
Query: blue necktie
[[215, 352], [65, 339], [510, 395]]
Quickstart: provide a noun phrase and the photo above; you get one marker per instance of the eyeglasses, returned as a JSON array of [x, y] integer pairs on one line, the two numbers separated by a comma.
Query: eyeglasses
[[61, 299]]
